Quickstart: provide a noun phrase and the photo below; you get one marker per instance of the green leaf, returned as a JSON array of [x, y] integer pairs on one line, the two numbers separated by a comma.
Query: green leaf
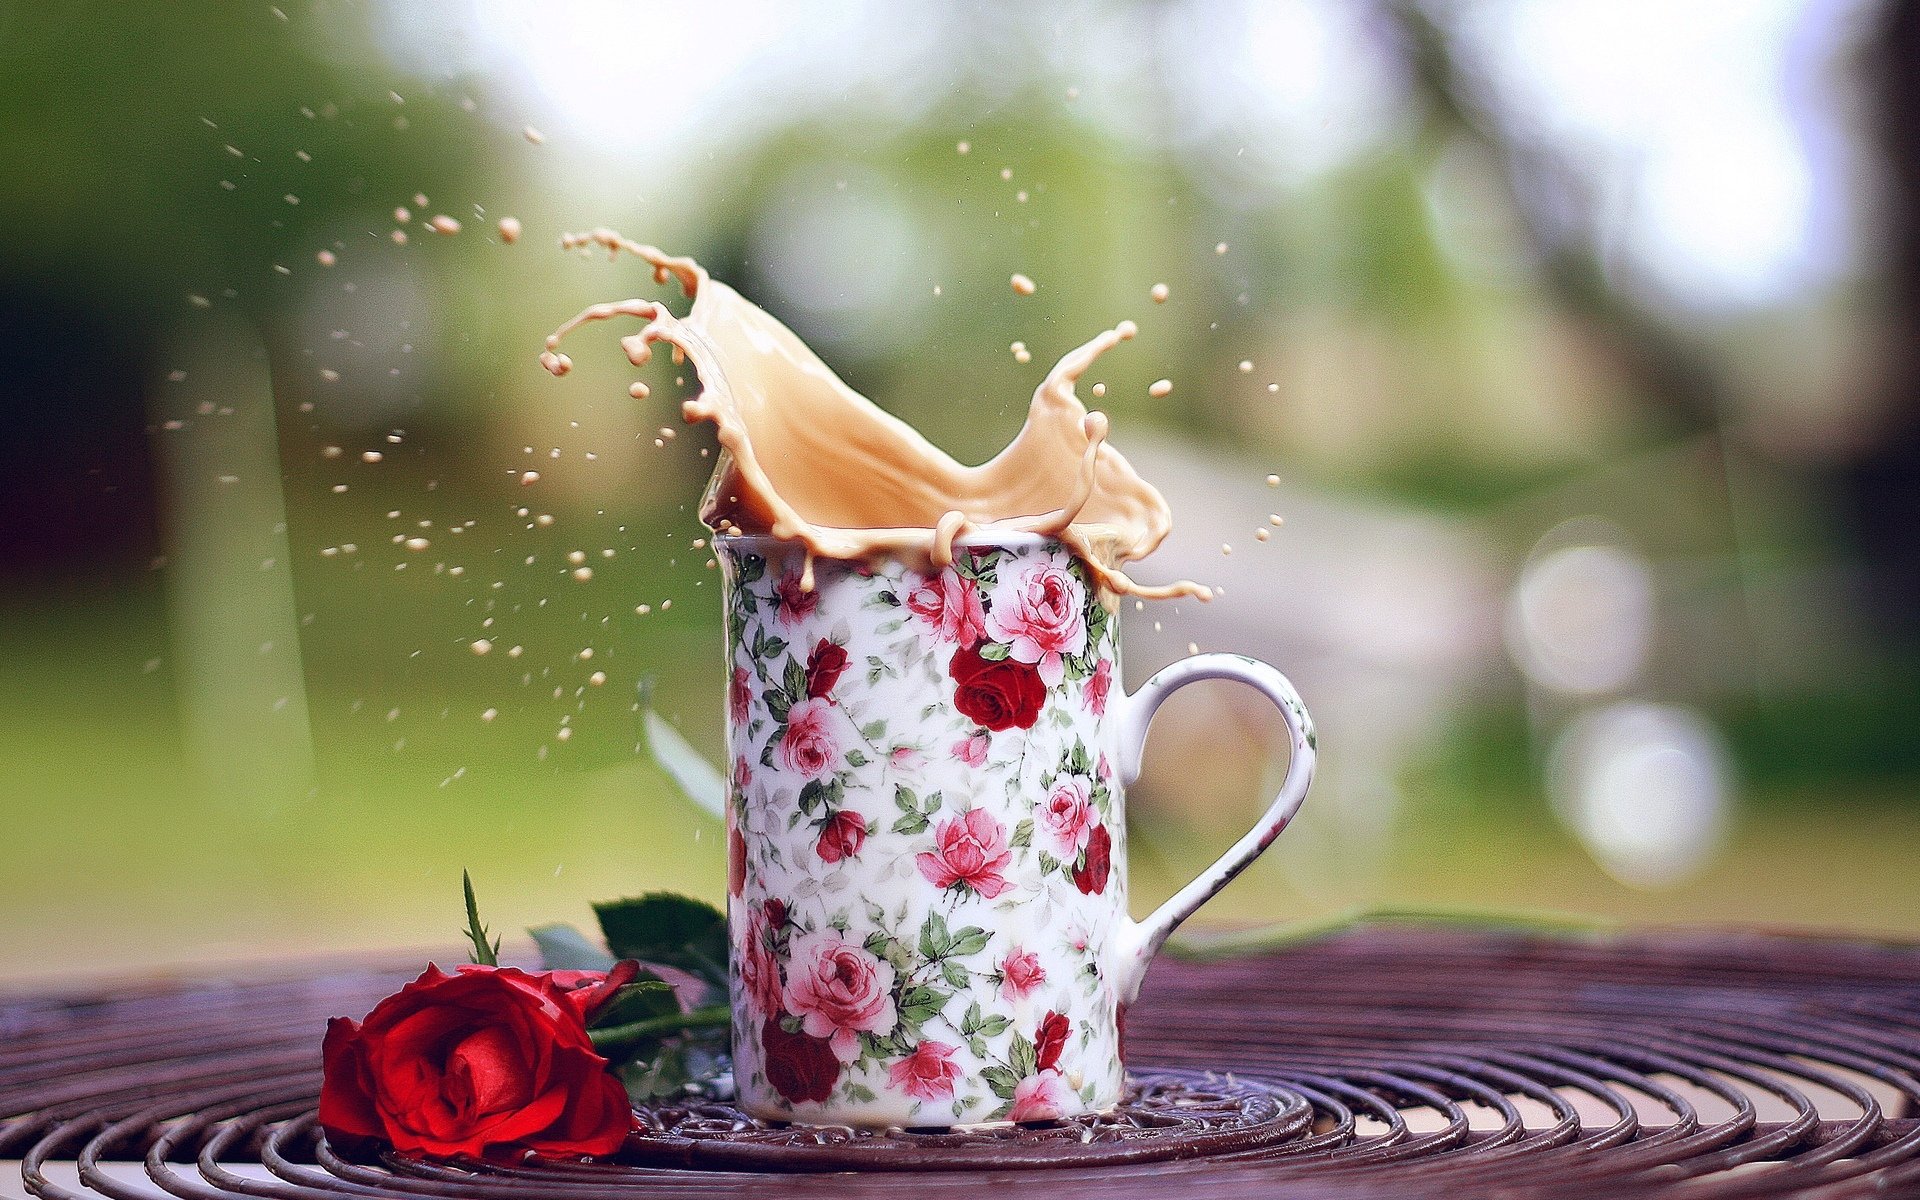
[[913, 824], [1022, 1056], [994, 652], [658, 1076], [773, 647], [1022, 833], [920, 1003], [484, 954], [970, 1023], [969, 941], [875, 729], [994, 1026], [673, 931], [641, 1000], [696, 778], [811, 794], [905, 800], [778, 704], [1001, 1081], [934, 939], [564, 948], [860, 1092], [955, 973], [856, 758], [795, 680]]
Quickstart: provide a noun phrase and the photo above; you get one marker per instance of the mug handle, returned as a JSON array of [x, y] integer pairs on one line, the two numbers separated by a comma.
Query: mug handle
[[1138, 941]]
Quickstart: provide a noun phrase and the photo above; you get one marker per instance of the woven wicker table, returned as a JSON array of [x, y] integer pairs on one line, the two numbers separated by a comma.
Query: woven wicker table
[[1401, 1061]]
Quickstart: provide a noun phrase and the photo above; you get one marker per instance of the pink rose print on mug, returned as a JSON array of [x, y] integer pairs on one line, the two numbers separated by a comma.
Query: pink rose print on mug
[[809, 746], [949, 607], [1067, 816], [758, 969], [1020, 973], [1042, 1096], [969, 852], [972, 750], [1037, 609], [928, 1073], [1098, 685], [839, 991]]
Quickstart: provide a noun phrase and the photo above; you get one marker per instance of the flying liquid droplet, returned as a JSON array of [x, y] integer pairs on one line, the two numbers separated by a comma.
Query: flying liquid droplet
[[1159, 293], [325, 258], [371, 456], [1159, 388], [444, 224], [480, 646], [533, 135], [1022, 286], [509, 230], [529, 478]]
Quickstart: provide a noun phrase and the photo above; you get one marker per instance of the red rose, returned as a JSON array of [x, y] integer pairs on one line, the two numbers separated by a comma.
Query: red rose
[[1049, 1041], [824, 667], [776, 911], [799, 1067], [998, 695], [842, 836], [796, 601], [483, 1059], [739, 695], [1091, 875]]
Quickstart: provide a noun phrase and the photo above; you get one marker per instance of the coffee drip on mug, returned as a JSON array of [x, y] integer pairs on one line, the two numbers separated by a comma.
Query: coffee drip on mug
[[807, 459]]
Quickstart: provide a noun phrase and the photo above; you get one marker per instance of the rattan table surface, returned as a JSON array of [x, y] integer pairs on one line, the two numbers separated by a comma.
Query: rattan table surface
[[1434, 1061]]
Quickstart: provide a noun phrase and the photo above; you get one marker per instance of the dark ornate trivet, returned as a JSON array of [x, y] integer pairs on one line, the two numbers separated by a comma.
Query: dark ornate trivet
[[1167, 1114], [1434, 1062]]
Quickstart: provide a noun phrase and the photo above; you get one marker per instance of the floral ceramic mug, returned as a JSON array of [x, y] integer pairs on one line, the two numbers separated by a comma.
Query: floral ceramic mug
[[927, 834]]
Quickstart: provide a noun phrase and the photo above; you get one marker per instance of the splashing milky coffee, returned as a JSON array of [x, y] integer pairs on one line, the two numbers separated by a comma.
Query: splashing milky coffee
[[807, 459]]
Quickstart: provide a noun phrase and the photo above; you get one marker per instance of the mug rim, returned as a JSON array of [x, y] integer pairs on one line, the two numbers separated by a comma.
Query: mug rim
[[1012, 539]]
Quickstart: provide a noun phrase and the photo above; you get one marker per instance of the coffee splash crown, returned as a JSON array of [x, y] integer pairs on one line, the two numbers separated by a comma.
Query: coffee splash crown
[[806, 459]]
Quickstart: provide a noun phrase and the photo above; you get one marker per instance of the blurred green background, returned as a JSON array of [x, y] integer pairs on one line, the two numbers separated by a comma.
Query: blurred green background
[[1581, 337]]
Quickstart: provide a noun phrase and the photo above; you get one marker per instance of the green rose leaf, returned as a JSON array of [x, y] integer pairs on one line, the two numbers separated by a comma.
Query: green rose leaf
[[647, 997], [673, 931], [1022, 1056], [564, 948], [969, 941], [1001, 1080]]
